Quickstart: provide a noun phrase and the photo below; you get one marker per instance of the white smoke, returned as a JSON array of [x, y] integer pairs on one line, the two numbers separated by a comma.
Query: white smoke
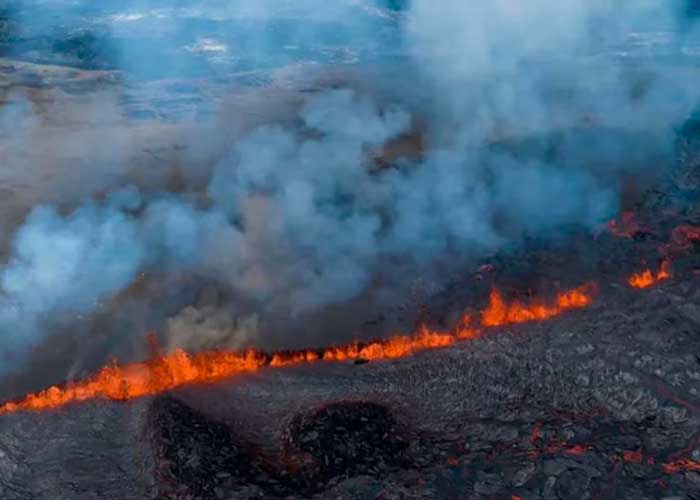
[[295, 217]]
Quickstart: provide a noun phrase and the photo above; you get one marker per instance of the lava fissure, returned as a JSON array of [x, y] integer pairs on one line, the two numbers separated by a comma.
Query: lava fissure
[[164, 372], [499, 313]]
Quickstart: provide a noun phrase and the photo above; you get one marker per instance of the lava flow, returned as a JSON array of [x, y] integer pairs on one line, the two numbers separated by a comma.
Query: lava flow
[[682, 465], [499, 313], [628, 226], [159, 374], [682, 239], [168, 371], [647, 278]]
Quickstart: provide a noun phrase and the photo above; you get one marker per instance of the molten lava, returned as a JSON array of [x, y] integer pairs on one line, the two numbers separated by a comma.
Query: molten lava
[[682, 239], [632, 457], [396, 347], [500, 313], [647, 278], [628, 226], [140, 379], [682, 465], [167, 371], [164, 372]]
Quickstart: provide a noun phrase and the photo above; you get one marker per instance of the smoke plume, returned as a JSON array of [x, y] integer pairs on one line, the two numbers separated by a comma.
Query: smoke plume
[[530, 114]]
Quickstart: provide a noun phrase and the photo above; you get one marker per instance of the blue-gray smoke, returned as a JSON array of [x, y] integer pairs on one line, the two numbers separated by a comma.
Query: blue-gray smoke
[[297, 217]]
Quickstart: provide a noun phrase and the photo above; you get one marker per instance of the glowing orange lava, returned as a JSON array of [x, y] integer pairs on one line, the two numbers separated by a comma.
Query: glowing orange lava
[[577, 449], [164, 372], [500, 313], [628, 226], [140, 379], [647, 278], [682, 239], [632, 457], [683, 465], [402, 346]]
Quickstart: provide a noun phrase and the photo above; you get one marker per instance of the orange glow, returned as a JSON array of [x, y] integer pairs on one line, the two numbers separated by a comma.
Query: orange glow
[[397, 347], [647, 278], [577, 449], [164, 372], [500, 313], [140, 379], [627, 227], [633, 457], [683, 465], [554, 447], [293, 358], [682, 238]]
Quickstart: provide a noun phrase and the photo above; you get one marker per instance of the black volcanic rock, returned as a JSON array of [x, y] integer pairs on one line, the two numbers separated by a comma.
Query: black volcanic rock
[[348, 439]]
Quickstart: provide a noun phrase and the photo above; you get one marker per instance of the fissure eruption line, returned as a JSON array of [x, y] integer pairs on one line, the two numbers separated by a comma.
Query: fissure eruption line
[[164, 372]]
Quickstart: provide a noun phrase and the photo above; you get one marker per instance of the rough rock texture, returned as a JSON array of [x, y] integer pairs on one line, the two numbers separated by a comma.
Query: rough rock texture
[[94, 453]]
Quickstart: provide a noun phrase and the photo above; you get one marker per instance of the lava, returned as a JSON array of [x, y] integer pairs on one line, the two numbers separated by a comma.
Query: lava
[[557, 447], [682, 239], [396, 347], [577, 449], [159, 374], [164, 372], [500, 313], [628, 226], [632, 457], [168, 371], [682, 465], [647, 278]]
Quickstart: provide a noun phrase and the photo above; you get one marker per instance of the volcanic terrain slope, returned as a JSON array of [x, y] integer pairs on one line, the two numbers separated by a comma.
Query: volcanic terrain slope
[[598, 403]]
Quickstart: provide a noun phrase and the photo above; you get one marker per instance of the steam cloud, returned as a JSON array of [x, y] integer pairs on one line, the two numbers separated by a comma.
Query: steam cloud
[[297, 217]]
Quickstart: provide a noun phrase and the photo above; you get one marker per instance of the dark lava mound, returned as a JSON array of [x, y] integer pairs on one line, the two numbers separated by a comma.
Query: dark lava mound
[[349, 439], [198, 456]]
